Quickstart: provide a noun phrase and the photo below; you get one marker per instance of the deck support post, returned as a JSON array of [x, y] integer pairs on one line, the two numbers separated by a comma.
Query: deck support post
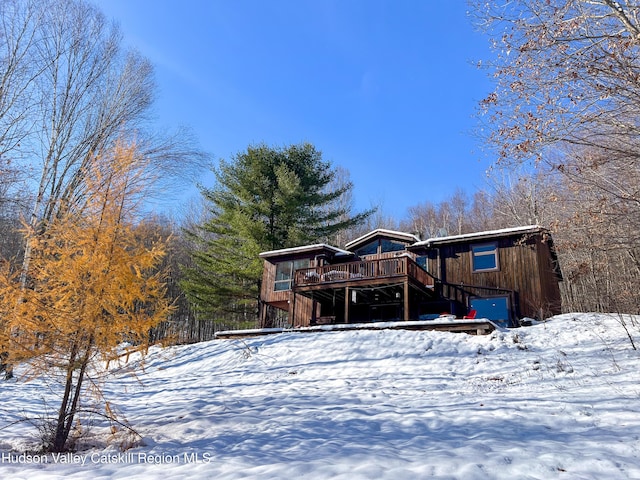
[[405, 295], [314, 310], [346, 304], [292, 319]]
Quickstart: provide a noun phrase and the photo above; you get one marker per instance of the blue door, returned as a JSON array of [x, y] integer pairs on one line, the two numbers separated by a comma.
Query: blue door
[[494, 308]]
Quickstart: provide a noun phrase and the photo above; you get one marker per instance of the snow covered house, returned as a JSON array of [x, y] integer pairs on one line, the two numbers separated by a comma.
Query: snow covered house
[[502, 275]]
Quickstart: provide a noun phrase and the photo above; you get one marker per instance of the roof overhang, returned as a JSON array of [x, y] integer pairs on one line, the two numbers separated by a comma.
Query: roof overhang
[[382, 232], [317, 249], [487, 235]]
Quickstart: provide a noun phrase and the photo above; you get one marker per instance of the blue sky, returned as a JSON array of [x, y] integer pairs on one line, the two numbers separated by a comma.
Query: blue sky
[[387, 89]]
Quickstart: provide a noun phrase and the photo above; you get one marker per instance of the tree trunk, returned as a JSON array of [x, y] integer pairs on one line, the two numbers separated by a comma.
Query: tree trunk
[[69, 405], [60, 439]]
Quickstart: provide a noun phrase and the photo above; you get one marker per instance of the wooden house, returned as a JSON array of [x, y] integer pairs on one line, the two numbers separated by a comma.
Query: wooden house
[[502, 275]]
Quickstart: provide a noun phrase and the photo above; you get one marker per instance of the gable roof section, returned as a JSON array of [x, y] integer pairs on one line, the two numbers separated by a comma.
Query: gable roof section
[[412, 241], [382, 232], [318, 247], [487, 235]]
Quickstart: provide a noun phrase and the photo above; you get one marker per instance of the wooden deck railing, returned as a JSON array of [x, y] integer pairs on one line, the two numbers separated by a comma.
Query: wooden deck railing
[[420, 274], [363, 270]]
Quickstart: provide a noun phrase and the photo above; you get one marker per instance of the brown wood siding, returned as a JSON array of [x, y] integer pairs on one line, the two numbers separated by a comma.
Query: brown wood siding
[[267, 289], [267, 292], [301, 307], [524, 267], [303, 311], [551, 301]]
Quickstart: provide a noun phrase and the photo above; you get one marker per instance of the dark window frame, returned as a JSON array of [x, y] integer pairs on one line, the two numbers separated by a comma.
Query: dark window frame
[[383, 245], [285, 270]]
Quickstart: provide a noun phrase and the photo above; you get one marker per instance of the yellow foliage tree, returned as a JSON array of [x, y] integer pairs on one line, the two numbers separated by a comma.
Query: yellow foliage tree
[[92, 285]]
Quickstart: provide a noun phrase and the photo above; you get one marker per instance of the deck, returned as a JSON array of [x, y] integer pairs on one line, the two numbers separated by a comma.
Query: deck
[[373, 289], [363, 272]]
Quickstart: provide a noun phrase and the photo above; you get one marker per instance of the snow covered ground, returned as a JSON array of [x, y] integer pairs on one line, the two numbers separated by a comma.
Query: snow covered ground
[[555, 400]]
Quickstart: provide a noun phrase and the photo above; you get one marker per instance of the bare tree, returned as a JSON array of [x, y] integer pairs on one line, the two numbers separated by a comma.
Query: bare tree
[[69, 92], [567, 77], [14, 200], [481, 212], [18, 20], [378, 218], [86, 92], [523, 196], [566, 94], [459, 210], [599, 240], [89, 93], [448, 217], [566, 72], [341, 182], [422, 220]]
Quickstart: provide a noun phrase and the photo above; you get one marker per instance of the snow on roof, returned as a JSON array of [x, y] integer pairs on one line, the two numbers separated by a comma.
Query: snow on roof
[[304, 249], [383, 231], [487, 234], [401, 235]]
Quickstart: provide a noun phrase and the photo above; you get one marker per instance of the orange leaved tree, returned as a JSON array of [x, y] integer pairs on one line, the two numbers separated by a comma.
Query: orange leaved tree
[[93, 285]]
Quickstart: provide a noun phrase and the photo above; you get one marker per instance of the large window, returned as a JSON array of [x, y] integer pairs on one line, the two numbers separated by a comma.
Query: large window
[[284, 273], [390, 246], [368, 249], [485, 257], [380, 246]]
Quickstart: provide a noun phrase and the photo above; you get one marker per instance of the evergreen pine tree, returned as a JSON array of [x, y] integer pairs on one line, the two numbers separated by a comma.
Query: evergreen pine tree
[[263, 199]]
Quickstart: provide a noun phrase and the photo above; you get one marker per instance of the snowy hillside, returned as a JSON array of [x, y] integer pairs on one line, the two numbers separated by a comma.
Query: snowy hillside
[[556, 400]]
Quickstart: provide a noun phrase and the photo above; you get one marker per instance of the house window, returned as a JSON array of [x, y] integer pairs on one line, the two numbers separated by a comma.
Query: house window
[[380, 246], [390, 246], [485, 257], [368, 249], [284, 273]]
